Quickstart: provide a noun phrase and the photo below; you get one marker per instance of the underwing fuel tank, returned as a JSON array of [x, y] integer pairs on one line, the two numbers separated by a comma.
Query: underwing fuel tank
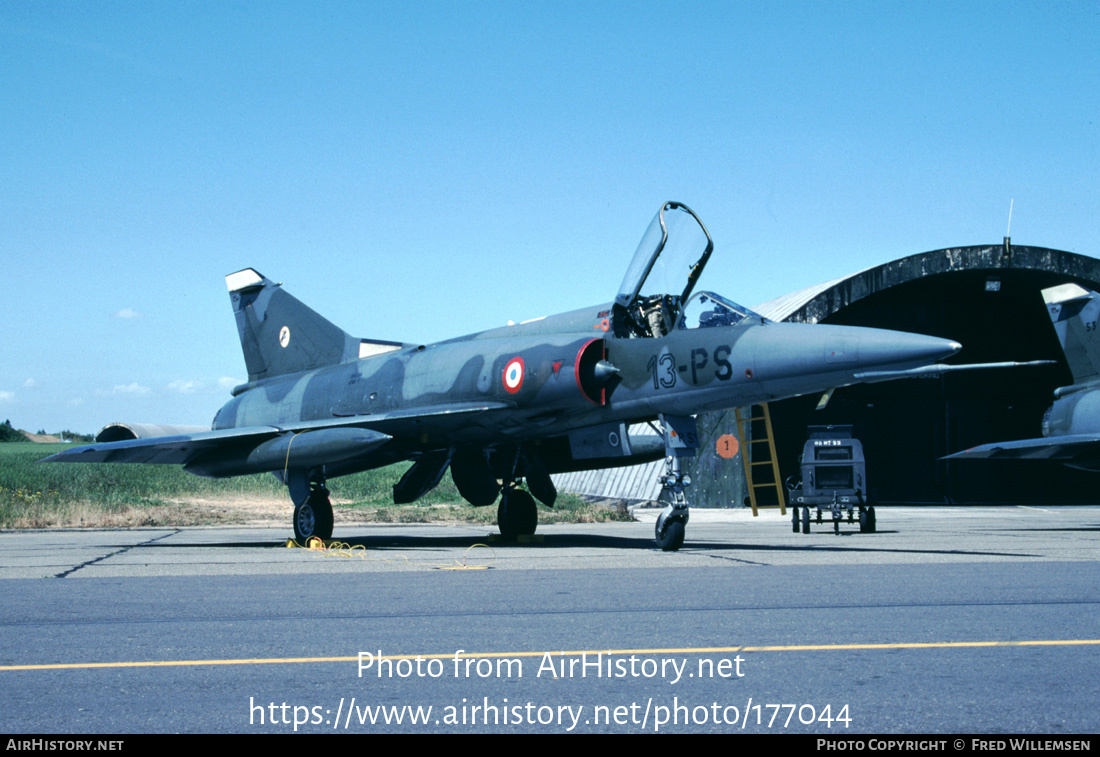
[[288, 450]]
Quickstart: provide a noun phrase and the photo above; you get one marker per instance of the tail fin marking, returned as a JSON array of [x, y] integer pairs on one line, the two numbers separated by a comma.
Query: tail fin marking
[[1075, 312], [281, 335]]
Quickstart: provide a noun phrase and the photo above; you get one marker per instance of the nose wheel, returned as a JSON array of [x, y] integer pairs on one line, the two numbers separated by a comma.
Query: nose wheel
[[669, 532]]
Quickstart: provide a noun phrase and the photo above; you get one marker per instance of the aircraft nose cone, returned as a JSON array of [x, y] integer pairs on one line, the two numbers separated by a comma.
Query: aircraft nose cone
[[923, 349], [898, 349], [788, 359]]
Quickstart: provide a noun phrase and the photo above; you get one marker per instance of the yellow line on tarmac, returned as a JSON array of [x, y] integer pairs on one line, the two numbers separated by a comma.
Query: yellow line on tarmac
[[926, 645], [575, 653]]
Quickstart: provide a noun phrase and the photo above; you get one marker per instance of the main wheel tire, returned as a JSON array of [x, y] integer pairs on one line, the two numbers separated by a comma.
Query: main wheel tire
[[794, 519], [671, 538], [517, 514], [871, 525], [313, 517], [862, 520], [805, 520]]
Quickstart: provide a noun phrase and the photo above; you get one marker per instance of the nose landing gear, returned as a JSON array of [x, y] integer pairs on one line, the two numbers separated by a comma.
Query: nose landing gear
[[680, 442]]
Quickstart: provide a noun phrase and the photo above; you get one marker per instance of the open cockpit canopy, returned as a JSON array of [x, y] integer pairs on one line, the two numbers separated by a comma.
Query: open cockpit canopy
[[662, 275]]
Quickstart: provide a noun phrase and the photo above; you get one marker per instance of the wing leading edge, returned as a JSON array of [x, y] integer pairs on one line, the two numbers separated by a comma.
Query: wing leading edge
[[258, 449], [179, 449], [1063, 448]]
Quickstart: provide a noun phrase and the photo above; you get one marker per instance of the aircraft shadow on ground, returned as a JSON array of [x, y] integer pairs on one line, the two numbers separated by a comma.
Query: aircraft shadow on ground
[[821, 543], [392, 541]]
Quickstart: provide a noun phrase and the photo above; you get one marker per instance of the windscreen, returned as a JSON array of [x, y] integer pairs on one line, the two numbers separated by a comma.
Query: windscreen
[[707, 310]]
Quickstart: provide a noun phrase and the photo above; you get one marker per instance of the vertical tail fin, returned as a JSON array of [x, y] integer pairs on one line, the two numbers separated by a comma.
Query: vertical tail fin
[[1075, 312], [279, 334]]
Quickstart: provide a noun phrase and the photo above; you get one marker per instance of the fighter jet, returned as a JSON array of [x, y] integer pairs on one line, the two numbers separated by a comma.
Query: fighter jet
[[1071, 426], [507, 407]]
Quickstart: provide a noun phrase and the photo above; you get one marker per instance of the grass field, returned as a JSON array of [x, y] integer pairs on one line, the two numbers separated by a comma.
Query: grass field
[[115, 494]]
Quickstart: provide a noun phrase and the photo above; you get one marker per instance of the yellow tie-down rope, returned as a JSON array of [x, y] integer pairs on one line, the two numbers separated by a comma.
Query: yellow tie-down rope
[[332, 548], [464, 565], [286, 464]]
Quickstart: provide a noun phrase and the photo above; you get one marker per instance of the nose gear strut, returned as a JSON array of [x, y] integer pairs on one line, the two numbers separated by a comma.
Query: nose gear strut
[[680, 442]]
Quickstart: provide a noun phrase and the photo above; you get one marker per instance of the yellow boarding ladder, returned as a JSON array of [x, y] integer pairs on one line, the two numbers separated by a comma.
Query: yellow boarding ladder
[[748, 457]]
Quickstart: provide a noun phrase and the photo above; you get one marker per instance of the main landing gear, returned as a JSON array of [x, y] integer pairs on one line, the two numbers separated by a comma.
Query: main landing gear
[[312, 506], [517, 514]]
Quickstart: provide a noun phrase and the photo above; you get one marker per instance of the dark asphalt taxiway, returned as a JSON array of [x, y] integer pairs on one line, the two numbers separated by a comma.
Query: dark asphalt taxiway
[[948, 620]]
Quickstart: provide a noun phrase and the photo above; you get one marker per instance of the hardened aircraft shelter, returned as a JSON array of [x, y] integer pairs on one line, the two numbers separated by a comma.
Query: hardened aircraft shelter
[[986, 297]]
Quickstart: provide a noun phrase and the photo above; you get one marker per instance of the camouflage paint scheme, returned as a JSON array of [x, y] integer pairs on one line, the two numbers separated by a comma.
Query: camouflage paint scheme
[[513, 404], [1071, 425]]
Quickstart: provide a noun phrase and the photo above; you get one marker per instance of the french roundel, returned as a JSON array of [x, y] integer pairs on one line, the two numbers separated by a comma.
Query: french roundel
[[513, 375]]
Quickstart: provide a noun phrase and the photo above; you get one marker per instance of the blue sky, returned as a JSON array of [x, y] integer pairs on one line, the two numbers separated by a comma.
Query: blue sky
[[416, 171]]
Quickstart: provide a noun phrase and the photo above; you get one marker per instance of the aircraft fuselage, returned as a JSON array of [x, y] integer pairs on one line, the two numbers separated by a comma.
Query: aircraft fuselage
[[541, 383]]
